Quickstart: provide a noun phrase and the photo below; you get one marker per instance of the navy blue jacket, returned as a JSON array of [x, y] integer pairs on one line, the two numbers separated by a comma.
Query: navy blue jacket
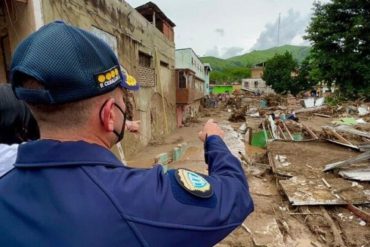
[[80, 194]]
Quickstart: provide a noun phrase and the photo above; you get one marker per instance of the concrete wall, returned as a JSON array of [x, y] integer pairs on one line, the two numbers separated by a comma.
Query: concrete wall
[[156, 105], [187, 59], [257, 72], [19, 24], [256, 85]]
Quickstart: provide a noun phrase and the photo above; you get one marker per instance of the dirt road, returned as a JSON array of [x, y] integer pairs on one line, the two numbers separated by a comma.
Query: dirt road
[[275, 222]]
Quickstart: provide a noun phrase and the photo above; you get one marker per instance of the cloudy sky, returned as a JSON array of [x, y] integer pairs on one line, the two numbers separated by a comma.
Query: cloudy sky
[[226, 28]]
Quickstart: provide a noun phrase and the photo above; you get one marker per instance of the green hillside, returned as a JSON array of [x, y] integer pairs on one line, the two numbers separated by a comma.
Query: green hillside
[[255, 57]]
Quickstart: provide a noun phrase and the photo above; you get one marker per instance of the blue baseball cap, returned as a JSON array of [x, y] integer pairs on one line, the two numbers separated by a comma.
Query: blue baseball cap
[[71, 64]]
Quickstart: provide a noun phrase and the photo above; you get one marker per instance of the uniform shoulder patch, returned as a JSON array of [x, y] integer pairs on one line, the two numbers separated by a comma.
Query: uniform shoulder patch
[[194, 183]]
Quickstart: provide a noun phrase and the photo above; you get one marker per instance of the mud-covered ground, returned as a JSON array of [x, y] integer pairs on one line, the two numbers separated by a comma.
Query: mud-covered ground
[[274, 222]]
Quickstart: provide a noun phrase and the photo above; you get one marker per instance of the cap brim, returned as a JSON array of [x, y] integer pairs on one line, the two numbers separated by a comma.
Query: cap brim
[[128, 81], [125, 85]]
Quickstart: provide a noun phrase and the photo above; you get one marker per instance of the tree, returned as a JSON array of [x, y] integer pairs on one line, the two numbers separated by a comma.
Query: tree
[[307, 76], [339, 32], [278, 73]]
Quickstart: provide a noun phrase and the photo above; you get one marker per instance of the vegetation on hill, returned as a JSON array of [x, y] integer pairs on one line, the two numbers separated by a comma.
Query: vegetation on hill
[[224, 70]]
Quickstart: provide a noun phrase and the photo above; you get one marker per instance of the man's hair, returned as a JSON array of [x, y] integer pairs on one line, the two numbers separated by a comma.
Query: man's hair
[[60, 116]]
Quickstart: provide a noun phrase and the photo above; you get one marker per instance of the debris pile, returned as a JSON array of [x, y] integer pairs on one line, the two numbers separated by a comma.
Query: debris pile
[[319, 156]]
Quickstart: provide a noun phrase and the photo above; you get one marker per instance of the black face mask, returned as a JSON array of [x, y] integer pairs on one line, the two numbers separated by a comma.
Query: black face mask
[[118, 134]]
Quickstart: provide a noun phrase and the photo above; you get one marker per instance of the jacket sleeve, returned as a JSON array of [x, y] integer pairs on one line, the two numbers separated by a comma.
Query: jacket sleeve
[[164, 213]]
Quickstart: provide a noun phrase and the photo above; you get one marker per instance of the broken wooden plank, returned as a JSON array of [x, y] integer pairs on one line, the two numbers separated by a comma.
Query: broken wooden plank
[[287, 130], [282, 132], [326, 183], [359, 213], [356, 174], [360, 158], [337, 233], [322, 115], [331, 131], [310, 132]]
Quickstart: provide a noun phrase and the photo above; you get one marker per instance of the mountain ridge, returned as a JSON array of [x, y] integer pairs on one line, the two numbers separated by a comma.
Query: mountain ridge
[[255, 57]]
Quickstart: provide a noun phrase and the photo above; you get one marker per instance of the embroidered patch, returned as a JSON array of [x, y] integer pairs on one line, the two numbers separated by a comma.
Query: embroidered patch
[[108, 77], [130, 80], [194, 183]]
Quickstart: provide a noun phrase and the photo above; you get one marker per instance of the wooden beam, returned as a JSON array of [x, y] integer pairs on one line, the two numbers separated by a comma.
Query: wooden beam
[[359, 213], [310, 132], [332, 132], [282, 132], [287, 130], [322, 115]]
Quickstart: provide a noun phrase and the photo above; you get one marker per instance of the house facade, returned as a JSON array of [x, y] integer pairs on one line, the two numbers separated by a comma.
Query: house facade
[[145, 47], [192, 83]]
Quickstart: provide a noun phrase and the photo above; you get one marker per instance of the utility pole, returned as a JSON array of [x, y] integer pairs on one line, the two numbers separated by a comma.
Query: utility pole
[[278, 31]]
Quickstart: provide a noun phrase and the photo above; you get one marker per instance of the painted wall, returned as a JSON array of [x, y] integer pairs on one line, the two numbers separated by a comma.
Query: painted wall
[[187, 59], [218, 89], [155, 102]]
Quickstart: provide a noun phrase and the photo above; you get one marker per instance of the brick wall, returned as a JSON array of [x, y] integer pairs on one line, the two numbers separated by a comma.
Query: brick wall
[[146, 76]]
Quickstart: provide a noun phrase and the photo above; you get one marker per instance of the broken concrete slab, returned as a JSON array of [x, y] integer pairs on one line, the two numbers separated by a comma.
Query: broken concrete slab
[[311, 191]]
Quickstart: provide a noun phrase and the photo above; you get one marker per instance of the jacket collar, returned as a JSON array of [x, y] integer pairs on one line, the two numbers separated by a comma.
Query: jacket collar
[[51, 153]]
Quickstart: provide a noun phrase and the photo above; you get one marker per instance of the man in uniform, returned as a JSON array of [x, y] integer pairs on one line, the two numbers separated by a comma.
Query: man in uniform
[[68, 189]]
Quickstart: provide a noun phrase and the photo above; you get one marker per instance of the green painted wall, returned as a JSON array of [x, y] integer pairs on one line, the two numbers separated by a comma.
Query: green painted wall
[[222, 89]]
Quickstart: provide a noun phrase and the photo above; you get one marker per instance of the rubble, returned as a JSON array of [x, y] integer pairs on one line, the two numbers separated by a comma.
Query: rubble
[[318, 156]]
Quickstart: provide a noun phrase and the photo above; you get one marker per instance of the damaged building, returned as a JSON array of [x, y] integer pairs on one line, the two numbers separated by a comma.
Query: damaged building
[[142, 38], [192, 82], [255, 83]]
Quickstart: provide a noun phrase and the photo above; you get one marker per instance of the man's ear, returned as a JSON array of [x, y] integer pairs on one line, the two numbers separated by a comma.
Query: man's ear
[[107, 115]]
